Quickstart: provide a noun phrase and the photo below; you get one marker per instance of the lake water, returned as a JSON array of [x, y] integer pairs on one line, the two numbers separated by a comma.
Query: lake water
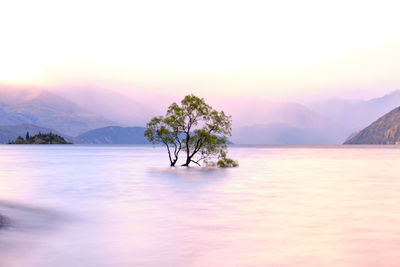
[[123, 206]]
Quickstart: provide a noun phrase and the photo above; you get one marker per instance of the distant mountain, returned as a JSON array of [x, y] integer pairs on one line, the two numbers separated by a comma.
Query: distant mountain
[[114, 135], [47, 110], [10, 133], [248, 112], [386, 130], [76, 111], [110, 104], [284, 123], [280, 133], [355, 115]]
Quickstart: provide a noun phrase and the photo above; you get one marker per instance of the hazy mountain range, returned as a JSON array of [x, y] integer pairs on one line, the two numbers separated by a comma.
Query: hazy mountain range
[[46, 109], [111, 105], [114, 135], [327, 122], [355, 115], [85, 115], [385, 130], [286, 123]]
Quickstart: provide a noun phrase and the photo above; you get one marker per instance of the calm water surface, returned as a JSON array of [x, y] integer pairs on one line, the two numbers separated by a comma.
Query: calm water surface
[[123, 206]]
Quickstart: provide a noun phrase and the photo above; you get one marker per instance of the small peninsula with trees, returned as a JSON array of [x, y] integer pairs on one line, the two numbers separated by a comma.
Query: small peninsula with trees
[[194, 128], [40, 138]]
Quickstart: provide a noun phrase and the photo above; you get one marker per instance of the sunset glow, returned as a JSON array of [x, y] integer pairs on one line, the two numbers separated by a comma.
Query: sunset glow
[[268, 48], [199, 133]]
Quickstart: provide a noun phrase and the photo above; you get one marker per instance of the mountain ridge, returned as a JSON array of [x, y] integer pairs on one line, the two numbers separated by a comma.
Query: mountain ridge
[[48, 110], [384, 131], [354, 115], [253, 119], [114, 135]]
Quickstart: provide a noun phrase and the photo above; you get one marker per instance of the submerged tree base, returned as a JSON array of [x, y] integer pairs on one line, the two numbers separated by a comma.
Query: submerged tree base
[[223, 162], [227, 163], [4, 222]]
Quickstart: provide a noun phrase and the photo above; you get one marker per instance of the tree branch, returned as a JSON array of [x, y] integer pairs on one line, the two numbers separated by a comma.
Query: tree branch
[[195, 162], [169, 152]]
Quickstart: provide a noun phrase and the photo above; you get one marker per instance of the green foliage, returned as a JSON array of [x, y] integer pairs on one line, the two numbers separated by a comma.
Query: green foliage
[[225, 162], [192, 127], [19, 140], [40, 138], [165, 130]]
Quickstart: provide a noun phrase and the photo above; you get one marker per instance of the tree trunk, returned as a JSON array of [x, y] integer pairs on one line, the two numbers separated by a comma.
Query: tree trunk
[[188, 160], [187, 149], [173, 163]]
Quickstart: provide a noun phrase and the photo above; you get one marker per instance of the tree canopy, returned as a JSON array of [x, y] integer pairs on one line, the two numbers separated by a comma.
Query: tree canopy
[[194, 128]]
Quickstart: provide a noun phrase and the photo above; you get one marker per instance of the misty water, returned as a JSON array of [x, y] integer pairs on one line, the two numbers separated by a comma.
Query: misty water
[[123, 206]]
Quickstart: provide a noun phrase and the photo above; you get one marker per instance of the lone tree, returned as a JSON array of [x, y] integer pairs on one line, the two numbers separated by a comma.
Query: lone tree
[[195, 128]]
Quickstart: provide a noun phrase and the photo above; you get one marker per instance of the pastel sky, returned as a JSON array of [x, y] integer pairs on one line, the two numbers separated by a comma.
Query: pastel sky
[[256, 48]]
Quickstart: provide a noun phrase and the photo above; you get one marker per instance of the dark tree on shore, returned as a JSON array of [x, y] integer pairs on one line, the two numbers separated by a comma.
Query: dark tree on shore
[[195, 128], [40, 138]]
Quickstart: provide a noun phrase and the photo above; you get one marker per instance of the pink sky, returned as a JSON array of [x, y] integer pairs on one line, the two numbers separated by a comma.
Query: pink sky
[[269, 49]]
